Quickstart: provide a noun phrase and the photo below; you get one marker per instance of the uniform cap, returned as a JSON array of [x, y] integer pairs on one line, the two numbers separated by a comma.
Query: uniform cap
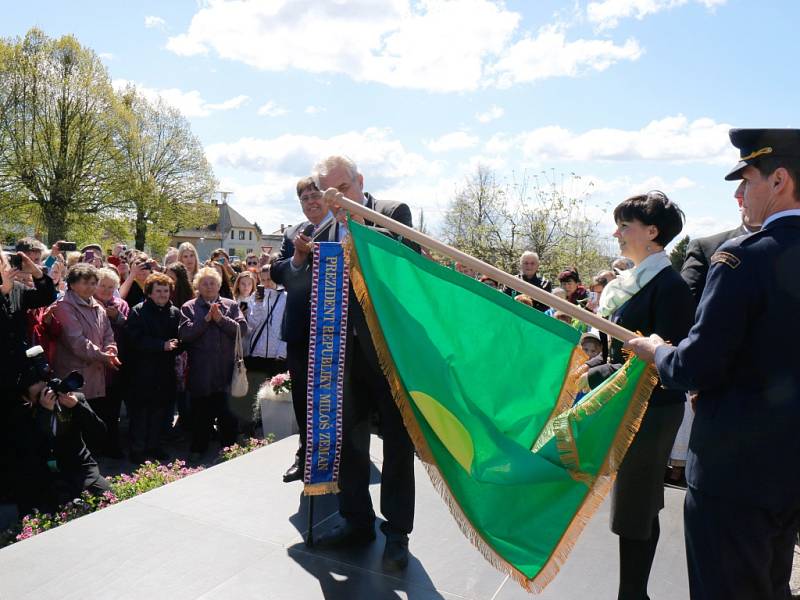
[[754, 144]]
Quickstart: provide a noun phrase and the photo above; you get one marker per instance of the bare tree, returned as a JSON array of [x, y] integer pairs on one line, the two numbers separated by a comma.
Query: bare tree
[[496, 221], [56, 128], [162, 172]]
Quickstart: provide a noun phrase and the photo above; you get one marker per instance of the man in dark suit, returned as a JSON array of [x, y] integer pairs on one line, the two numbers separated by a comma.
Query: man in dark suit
[[369, 392], [292, 269], [699, 251], [741, 524]]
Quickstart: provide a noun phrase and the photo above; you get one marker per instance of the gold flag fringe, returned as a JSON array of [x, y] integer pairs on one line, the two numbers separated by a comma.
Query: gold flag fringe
[[320, 489], [596, 493]]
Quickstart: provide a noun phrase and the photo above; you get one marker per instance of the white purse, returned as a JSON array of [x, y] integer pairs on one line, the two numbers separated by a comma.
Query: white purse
[[239, 385]]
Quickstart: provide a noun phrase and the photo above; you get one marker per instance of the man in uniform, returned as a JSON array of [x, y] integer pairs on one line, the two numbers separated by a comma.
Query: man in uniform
[[741, 523]]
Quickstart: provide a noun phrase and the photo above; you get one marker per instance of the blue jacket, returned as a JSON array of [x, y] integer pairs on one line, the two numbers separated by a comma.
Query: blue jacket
[[741, 355]]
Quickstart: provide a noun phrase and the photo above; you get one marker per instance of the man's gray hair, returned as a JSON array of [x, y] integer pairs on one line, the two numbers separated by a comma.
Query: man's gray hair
[[326, 165], [527, 254]]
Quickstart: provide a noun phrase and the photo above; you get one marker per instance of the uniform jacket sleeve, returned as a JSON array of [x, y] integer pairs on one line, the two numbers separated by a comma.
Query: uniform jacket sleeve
[[704, 358]]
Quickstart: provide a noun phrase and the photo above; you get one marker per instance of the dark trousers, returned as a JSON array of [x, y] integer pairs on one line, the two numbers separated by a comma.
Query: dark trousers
[[297, 361], [147, 418], [107, 408], [635, 562], [735, 551], [370, 392], [205, 409]]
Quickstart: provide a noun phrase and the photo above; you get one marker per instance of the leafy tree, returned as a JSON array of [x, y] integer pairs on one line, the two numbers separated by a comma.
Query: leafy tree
[[162, 172], [678, 254], [56, 128]]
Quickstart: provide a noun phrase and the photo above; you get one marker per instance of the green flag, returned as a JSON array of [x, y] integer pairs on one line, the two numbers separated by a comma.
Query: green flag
[[484, 387]]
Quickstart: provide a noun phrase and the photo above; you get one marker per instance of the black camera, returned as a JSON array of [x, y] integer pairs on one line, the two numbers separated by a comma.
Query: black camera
[[71, 383], [15, 260]]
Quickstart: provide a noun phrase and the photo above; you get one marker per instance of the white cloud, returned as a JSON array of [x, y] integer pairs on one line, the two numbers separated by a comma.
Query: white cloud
[[549, 54], [458, 140], [271, 109], [107, 56], [494, 112], [314, 110], [230, 104], [621, 187], [390, 171], [152, 22], [381, 158], [190, 103], [435, 45], [673, 139], [607, 13]]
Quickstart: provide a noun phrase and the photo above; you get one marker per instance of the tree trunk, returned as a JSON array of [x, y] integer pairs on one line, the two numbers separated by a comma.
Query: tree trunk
[[55, 219], [141, 230]]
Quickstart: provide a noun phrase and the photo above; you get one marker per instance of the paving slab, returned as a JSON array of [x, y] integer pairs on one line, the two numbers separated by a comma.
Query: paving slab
[[236, 531]]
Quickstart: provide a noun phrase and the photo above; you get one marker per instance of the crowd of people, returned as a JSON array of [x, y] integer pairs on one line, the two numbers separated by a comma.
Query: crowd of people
[[157, 337], [161, 339]]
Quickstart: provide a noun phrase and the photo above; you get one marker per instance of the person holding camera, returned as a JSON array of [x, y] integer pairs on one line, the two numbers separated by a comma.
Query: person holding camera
[[15, 301], [265, 350], [153, 339], [53, 465], [86, 344], [132, 289]]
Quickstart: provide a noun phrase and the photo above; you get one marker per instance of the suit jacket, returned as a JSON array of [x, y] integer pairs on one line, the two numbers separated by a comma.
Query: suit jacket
[[297, 282], [296, 317], [664, 306], [698, 254], [739, 356]]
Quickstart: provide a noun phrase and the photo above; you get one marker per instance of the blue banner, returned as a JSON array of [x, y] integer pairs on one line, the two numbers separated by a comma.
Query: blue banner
[[326, 351]]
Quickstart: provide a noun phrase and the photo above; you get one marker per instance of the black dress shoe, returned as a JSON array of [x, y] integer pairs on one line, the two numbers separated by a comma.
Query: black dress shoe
[[346, 534], [395, 554], [293, 473]]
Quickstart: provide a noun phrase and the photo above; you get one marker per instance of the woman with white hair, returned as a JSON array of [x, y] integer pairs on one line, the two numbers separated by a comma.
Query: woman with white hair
[[208, 329]]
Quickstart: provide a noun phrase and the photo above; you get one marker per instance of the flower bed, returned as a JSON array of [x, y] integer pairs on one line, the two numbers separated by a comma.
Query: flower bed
[[148, 476]]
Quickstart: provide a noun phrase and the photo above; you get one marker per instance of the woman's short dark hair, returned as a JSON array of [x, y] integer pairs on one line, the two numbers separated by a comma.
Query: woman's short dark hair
[[80, 271], [157, 279], [653, 208], [569, 274]]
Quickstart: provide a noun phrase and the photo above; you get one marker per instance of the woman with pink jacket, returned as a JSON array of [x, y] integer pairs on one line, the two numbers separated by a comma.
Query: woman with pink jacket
[[86, 343]]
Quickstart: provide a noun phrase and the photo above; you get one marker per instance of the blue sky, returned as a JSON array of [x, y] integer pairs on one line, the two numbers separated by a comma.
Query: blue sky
[[629, 94]]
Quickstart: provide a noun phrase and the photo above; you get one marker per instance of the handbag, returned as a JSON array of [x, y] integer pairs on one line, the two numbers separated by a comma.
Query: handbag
[[239, 384]]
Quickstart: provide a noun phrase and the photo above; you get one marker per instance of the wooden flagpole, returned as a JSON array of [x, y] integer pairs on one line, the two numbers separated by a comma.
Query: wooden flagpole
[[583, 315]]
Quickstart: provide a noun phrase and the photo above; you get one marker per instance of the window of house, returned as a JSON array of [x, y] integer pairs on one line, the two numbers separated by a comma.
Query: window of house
[[251, 236], [231, 233], [241, 235]]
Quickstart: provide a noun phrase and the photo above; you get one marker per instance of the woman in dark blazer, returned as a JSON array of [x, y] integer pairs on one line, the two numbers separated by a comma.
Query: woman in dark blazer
[[651, 298]]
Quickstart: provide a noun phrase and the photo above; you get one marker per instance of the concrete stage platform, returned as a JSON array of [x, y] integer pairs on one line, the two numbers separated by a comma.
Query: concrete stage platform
[[235, 531]]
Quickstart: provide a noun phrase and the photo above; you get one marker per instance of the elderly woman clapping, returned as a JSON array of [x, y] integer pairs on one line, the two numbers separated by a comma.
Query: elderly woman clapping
[[86, 344], [208, 330]]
